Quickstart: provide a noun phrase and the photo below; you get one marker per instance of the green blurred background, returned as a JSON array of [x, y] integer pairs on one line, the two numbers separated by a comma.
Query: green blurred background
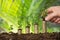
[[15, 14]]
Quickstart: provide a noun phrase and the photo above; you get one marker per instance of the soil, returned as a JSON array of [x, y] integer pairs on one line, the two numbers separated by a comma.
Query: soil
[[40, 36]]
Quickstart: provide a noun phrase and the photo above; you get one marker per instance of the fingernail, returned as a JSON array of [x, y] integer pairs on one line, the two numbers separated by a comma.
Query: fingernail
[[46, 19]]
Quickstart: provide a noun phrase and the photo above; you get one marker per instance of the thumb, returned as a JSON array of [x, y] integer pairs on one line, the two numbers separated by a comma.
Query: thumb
[[50, 16]]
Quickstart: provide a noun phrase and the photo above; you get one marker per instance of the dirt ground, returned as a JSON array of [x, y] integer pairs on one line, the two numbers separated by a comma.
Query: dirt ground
[[40, 36]]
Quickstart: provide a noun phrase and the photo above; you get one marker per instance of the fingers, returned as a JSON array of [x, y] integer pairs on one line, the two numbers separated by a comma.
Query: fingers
[[58, 22], [55, 20], [50, 16]]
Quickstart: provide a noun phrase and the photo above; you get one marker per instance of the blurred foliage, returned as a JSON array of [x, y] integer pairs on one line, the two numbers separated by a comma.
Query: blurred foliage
[[20, 13]]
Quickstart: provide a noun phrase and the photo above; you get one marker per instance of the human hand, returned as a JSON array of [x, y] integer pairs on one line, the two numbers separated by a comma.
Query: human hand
[[53, 14]]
